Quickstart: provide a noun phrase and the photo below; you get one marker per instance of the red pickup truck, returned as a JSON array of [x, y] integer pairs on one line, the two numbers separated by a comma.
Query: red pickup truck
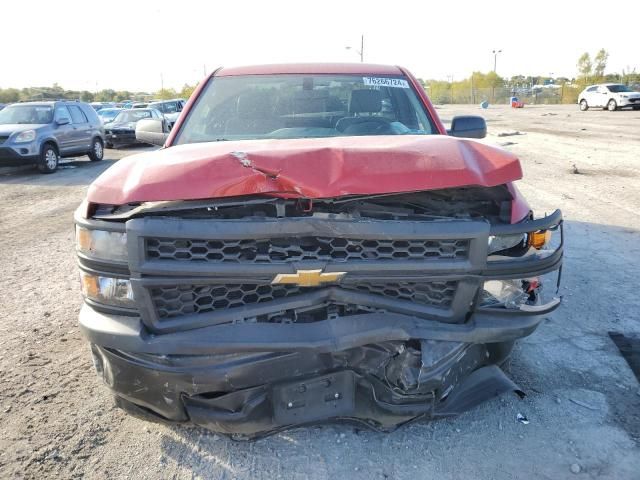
[[311, 245]]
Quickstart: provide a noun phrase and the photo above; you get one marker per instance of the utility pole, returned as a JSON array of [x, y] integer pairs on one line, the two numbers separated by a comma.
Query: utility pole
[[361, 51], [161, 85], [495, 59]]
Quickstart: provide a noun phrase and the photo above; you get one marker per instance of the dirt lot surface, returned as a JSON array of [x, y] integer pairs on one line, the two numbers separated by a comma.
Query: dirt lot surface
[[583, 403]]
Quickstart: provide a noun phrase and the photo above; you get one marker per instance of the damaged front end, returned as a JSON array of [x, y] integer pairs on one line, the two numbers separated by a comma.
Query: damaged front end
[[252, 315]]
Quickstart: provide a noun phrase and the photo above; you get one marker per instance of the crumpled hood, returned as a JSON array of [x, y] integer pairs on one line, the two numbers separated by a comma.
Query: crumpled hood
[[10, 128], [313, 168]]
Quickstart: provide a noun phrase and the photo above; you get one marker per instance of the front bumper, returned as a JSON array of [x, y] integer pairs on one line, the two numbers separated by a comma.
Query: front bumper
[[629, 102], [19, 155], [382, 368], [121, 137]]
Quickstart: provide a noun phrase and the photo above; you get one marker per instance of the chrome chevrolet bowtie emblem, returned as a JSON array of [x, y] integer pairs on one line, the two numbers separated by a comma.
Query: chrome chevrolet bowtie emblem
[[308, 278]]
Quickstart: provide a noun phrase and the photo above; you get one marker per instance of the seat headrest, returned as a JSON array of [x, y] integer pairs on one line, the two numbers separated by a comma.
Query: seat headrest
[[253, 104], [365, 100]]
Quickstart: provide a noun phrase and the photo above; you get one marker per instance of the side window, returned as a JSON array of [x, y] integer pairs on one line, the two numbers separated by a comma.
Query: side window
[[180, 106], [61, 112], [592, 89], [77, 115], [603, 90], [170, 107]]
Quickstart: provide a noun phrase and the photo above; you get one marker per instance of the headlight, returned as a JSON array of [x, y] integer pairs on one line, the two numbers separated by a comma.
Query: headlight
[[506, 293], [107, 290], [26, 136], [101, 244], [498, 243]]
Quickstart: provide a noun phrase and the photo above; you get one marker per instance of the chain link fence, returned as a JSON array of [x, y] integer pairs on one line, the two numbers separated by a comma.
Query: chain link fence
[[502, 95]]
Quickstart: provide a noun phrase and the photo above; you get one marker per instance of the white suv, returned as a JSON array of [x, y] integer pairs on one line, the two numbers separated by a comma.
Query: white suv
[[611, 96]]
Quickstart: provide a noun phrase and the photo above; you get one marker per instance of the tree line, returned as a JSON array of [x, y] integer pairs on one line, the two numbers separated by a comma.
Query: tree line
[[589, 71], [10, 95]]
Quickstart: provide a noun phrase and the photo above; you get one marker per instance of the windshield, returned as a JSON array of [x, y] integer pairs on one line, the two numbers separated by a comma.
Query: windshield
[[619, 88], [133, 115], [303, 106], [109, 112], [26, 114]]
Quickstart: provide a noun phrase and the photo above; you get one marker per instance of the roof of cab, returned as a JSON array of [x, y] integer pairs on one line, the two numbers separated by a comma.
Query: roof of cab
[[311, 68]]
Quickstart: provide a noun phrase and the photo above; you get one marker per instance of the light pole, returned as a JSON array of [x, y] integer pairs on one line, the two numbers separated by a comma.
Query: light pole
[[495, 59], [361, 51]]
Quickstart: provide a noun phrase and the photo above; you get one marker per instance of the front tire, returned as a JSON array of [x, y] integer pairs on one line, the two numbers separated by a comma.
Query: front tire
[[583, 105], [612, 106], [49, 159], [97, 150]]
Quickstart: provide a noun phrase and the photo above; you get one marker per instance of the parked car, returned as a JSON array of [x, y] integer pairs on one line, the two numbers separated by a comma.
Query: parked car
[[97, 106], [108, 114], [612, 96], [311, 245], [170, 109], [41, 132], [122, 129], [139, 105]]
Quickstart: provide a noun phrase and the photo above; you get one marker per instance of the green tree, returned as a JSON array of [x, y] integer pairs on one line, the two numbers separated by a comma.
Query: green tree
[[585, 66], [186, 91], [600, 62]]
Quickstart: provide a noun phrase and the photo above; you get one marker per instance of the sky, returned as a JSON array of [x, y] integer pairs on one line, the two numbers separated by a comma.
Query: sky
[[140, 45]]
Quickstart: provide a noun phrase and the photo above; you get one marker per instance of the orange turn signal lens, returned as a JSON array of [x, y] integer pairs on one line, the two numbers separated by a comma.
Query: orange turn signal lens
[[539, 239], [90, 285]]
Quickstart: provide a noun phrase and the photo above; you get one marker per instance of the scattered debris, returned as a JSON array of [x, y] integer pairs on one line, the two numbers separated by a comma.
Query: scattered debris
[[575, 468], [550, 114], [510, 134], [522, 419], [582, 404], [575, 170], [506, 144]]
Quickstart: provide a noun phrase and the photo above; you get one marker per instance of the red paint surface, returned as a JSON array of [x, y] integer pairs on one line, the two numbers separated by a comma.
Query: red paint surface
[[314, 168], [312, 68]]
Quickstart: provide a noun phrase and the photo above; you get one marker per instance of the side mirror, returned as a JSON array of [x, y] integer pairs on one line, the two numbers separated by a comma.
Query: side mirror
[[468, 126], [151, 130], [63, 121]]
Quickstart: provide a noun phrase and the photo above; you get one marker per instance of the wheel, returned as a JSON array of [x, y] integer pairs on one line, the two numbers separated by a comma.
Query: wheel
[[97, 151], [583, 105], [48, 159], [612, 106]]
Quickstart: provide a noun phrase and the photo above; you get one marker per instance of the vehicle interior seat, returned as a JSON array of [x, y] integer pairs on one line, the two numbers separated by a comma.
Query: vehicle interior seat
[[362, 105], [255, 114]]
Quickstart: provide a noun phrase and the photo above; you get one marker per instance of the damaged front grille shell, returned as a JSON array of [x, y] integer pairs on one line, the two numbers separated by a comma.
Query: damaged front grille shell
[[223, 332]]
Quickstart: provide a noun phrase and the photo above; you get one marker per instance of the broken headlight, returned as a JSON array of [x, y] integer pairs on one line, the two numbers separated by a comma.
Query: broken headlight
[[499, 243], [115, 292], [102, 244], [509, 293]]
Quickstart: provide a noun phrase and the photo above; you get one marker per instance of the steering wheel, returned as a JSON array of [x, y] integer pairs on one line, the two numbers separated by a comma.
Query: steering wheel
[[348, 123]]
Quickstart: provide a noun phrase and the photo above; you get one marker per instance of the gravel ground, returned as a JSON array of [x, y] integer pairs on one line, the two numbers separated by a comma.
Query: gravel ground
[[57, 420]]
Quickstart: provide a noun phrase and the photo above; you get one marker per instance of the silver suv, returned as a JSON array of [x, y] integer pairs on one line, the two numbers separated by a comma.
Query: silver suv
[[41, 133]]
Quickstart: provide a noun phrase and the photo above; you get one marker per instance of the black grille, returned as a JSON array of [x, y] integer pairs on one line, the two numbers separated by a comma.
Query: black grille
[[437, 294], [303, 248], [187, 299], [181, 300], [3, 138]]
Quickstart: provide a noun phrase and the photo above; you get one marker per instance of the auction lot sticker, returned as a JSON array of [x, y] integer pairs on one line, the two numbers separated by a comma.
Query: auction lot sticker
[[385, 82]]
